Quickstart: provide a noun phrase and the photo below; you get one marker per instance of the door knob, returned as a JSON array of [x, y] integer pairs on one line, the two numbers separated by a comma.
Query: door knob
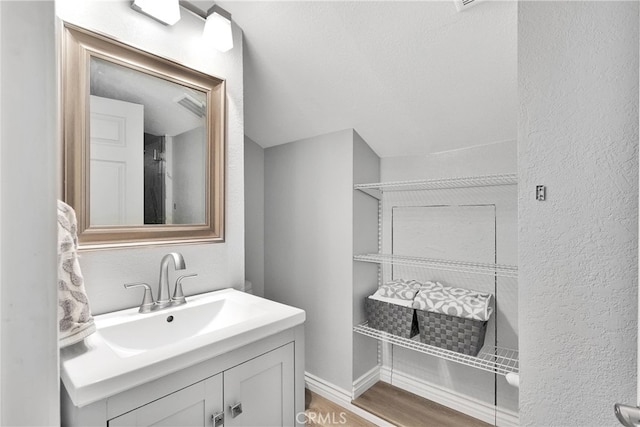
[[235, 409], [628, 416], [217, 419]]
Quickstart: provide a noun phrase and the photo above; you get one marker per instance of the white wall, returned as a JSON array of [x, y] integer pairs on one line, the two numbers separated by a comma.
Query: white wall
[[218, 265], [366, 169], [308, 246], [1, 203], [254, 215], [578, 135], [496, 158], [28, 332], [168, 179], [189, 177]]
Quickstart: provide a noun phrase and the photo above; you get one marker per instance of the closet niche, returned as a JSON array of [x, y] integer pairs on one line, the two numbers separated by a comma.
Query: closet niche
[[460, 233]]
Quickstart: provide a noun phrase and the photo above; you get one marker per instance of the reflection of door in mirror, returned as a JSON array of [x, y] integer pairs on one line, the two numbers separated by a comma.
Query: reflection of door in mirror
[[116, 166], [174, 144]]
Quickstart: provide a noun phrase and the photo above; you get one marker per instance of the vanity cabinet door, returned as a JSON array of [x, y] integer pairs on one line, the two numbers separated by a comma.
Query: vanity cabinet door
[[191, 406], [261, 390]]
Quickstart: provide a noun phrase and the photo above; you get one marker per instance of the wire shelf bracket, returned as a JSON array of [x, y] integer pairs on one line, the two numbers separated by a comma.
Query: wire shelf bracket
[[501, 270], [376, 189], [491, 359]]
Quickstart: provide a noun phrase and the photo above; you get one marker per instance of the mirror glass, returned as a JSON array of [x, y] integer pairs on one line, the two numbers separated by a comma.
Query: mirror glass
[[147, 148], [143, 140]]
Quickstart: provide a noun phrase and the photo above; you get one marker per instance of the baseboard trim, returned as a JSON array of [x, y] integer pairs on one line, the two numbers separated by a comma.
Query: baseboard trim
[[460, 402], [341, 397], [385, 374], [505, 418], [365, 382], [326, 389]]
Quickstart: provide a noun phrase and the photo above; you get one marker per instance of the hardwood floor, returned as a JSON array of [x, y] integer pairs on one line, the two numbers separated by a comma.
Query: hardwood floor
[[321, 412], [405, 409]]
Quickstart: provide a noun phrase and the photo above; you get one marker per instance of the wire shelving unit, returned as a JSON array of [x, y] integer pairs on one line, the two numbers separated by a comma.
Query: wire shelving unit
[[376, 189], [501, 270], [491, 359]]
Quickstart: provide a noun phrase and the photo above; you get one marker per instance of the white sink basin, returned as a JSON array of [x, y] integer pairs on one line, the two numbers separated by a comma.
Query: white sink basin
[[129, 335], [130, 348]]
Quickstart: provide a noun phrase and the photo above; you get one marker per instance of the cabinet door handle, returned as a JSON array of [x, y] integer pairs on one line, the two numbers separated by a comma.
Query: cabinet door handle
[[235, 409], [217, 419]]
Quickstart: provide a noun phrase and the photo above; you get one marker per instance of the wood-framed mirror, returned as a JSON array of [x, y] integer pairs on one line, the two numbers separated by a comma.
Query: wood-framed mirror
[[143, 143]]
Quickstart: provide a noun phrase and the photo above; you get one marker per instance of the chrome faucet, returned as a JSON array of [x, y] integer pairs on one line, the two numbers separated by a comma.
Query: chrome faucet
[[164, 297]]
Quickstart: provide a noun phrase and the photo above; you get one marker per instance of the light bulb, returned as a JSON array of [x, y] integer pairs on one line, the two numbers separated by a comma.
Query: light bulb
[[217, 30]]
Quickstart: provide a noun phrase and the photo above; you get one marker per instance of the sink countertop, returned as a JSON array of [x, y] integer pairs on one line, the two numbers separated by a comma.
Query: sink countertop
[[99, 367]]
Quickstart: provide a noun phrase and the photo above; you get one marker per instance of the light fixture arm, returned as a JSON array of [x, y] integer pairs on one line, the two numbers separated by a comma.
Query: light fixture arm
[[165, 12], [202, 14], [193, 9], [220, 11]]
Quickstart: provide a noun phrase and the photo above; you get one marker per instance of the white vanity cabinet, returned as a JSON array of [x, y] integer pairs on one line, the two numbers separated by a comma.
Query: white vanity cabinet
[[259, 384], [191, 406], [264, 388], [258, 392]]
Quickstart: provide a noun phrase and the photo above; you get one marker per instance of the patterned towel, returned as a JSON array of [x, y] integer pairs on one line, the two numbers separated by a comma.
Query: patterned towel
[[396, 301], [435, 297], [399, 289], [74, 316]]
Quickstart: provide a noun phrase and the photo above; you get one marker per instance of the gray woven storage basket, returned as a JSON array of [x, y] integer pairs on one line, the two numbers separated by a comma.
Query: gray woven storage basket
[[391, 318], [458, 334]]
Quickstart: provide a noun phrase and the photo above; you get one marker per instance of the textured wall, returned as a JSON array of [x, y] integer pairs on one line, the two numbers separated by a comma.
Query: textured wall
[[578, 135], [29, 370], [218, 265], [254, 214]]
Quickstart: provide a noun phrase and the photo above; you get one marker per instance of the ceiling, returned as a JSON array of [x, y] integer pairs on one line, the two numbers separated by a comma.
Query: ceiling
[[411, 78], [162, 113]]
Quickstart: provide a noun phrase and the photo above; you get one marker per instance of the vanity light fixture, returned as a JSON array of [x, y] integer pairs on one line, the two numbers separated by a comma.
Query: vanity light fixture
[[166, 12], [217, 26]]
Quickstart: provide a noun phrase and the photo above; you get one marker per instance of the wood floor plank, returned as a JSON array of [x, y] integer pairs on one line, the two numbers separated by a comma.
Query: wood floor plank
[[321, 412], [405, 409]]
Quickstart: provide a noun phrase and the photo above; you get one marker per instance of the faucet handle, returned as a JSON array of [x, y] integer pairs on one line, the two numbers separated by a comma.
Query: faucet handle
[[147, 298], [178, 297]]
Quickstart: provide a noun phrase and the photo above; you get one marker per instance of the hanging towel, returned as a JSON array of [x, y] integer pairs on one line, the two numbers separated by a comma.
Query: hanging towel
[[437, 298], [74, 316]]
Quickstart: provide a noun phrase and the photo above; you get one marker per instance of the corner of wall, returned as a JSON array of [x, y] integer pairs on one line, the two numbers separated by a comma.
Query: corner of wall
[[308, 248], [254, 215], [366, 168]]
